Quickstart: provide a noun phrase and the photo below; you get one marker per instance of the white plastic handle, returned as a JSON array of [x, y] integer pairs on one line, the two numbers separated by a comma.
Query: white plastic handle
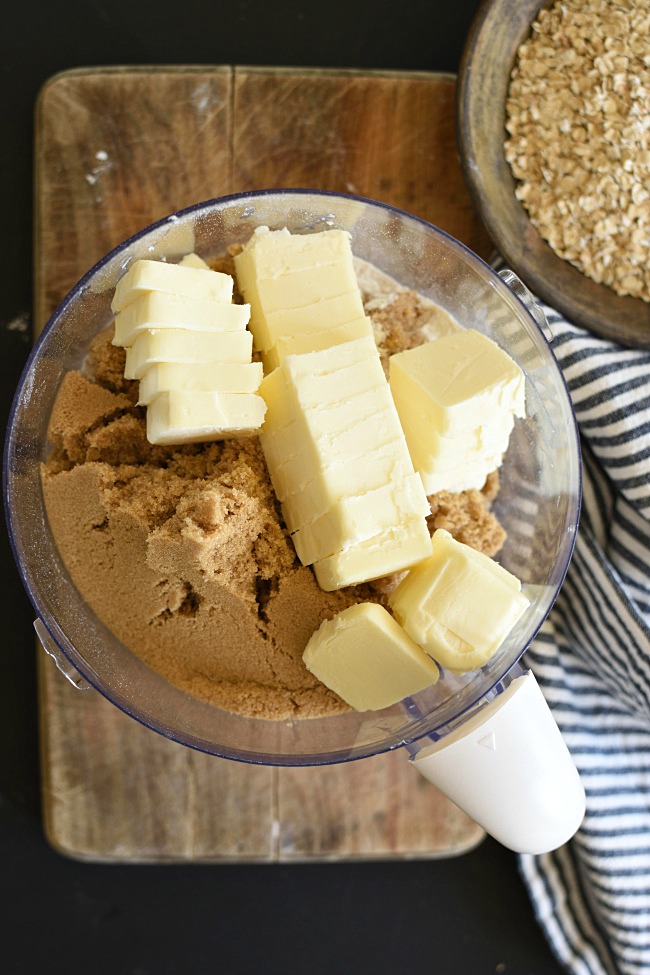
[[509, 768]]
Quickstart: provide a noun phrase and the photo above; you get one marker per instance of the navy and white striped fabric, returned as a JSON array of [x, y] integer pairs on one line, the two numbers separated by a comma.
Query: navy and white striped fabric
[[592, 660]]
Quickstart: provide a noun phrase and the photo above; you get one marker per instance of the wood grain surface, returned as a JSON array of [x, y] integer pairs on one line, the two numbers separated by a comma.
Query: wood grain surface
[[115, 150]]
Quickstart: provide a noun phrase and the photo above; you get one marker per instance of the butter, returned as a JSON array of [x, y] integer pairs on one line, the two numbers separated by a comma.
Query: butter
[[297, 283], [356, 519], [323, 313], [315, 340], [462, 472], [157, 309], [456, 373], [457, 399], [301, 287], [183, 345], [291, 418], [315, 379], [458, 605], [486, 436], [193, 260], [332, 439], [181, 416], [274, 253], [320, 457], [226, 377], [388, 463], [366, 658], [192, 282], [391, 550]]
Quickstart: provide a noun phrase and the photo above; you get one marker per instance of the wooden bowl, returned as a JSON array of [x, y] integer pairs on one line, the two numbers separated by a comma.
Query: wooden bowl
[[484, 75]]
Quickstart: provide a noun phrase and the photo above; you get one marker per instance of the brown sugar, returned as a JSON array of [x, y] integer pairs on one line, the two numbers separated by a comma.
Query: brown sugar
[[467, 516], [182, 552]]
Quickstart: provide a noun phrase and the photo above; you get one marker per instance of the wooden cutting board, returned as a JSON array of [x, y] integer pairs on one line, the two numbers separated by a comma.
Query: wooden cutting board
[[116, 149]]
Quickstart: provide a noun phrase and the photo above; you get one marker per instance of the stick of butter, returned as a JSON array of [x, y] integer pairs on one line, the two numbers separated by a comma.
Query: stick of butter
[[184, 345], [225, 377], [365, 657], [391, 550], [458, 605], [461, 387], [322, 455], [356, 519], [182, 416], [321, 313], [157, 309], [299, 285], [315, 341], [388, 463], [332, 433], [179, 279]]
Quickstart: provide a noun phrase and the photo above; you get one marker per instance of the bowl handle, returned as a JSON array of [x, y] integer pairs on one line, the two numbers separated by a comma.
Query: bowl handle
[[508, 767], [528, 299]]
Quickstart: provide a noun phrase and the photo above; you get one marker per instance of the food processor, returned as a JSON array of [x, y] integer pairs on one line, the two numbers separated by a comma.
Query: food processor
[[485, 738]]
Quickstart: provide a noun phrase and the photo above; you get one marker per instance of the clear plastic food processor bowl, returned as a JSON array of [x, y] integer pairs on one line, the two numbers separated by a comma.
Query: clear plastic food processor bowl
[[538, 503]]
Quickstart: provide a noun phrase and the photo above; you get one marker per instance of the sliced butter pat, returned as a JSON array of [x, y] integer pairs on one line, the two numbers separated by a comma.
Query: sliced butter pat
[[389, 463], [355, 519], [193, 260], [184, 345], [225, 377], [156, 309], [365, 657], [180, 416], [316, 341], [192, 282], [449, 381], [458, 605], [392, 550]]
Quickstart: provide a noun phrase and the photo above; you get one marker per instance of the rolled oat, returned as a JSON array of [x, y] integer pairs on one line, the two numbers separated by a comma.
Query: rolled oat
[[578, 144]]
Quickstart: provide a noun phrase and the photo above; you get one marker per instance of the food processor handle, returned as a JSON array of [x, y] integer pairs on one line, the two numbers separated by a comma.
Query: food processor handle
[[509, 768]]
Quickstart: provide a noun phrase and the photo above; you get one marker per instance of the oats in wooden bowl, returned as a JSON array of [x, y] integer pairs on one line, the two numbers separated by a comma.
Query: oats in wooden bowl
[[554, 135]]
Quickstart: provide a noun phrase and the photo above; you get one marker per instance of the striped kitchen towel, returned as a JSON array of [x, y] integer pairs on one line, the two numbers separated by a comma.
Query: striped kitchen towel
[[592, 660]]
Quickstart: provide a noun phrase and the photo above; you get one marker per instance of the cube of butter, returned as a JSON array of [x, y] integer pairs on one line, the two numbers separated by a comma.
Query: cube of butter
[[458, 605], [365, 657], [460, 389], [448, 381]]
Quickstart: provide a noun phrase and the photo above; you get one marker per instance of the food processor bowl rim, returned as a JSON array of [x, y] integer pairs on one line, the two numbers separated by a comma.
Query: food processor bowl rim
[[276, 759]]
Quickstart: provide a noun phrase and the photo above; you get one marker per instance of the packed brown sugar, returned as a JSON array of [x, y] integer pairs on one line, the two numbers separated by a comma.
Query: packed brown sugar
[[181, 551]]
